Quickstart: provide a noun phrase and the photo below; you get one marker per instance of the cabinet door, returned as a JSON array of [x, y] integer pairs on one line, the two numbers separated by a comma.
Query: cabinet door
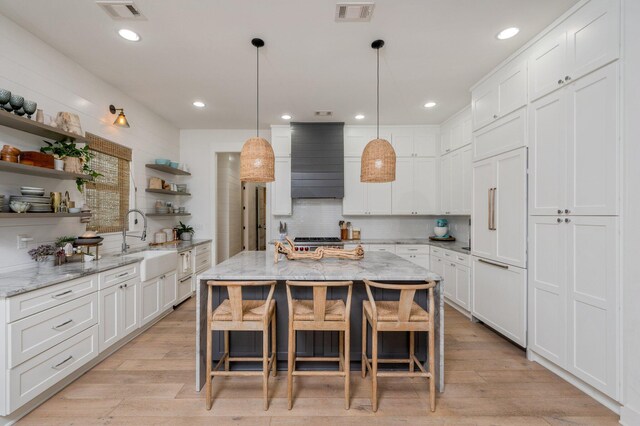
[[422, 260], [594, 269], [547, 334], [457, 182], [281, 141], [402, 189], [484, 104], [445, 184], [510, 193], [547, 65], [281, 188], [169, 291], [593, 147], [355, 139], [378, 198], [547, 159], [354, 201], [467, 133], [456, 135], [425, 194], [512, 88], [463, 286], [403, 142], [445, 139], [483, 242], [109, 328], [425, 142], [151, 303], [506, 134], [593, 37], [449, 269], [130, 317], [466, 180]]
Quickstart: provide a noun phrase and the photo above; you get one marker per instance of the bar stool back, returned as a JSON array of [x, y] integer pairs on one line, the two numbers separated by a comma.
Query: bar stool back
[[237, 314], [319, 314], [403, 315]]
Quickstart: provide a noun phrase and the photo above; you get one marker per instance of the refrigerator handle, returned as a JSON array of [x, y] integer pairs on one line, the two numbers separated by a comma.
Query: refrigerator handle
[[489, 205], [497, 265], [493, 210]]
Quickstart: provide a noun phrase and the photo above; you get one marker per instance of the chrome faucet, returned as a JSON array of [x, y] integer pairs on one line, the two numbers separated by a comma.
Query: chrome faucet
[[125, 246]]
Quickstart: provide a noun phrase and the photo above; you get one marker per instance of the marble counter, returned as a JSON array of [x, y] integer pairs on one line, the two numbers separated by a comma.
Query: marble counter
[[456, 246], [25, 280], [179, 246]]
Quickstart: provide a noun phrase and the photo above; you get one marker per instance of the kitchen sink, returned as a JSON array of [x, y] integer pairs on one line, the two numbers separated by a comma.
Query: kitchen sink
[[155, 263]]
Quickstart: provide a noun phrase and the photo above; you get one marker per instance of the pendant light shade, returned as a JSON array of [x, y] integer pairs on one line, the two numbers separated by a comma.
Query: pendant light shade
[[257, 159], [378, 163]]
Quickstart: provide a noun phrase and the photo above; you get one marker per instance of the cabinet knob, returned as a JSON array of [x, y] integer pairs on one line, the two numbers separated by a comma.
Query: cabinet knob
[[119, 286], [560, 81], [559, 211], [567, 211], [495, 115], [567, 78], [559, 220], [567, 220]]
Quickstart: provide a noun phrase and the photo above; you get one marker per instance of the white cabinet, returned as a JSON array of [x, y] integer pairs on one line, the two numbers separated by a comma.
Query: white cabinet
[[363, 198], [503, 135], [446, 186], [150, 300], [414, 141], [414, 190], [499, 298], [501, 94], [118, 307], [454, 269], [574, 141], [587, 40], [281, 187], [455, 182], [456, 132], [169, 290], [574, 272], [500, 208], [281, 141], [415, 253]]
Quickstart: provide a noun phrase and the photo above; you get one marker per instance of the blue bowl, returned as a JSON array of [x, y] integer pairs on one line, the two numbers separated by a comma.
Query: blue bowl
[[174, 165], [163, 161]]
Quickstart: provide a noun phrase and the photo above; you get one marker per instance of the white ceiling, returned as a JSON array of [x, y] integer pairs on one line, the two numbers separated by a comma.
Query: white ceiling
[[196, 49]]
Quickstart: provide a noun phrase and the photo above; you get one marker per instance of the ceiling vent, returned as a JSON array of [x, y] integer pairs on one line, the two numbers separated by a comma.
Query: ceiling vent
[[121, 10], [354, 12], [323, 113]]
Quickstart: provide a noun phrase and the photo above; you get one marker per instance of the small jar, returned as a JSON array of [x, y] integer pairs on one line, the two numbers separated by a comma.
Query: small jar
[[356, 233]]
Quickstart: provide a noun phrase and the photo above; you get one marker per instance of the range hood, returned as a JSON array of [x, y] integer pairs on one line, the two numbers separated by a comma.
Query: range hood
[[317, 160]]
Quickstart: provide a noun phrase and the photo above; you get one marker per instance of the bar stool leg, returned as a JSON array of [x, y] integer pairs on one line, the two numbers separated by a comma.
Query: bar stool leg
[[364, 344], [208, 383], [341, 350], [374, 369], [265, 366], [226, 350], [274, 367], [412, 347], [432, 363], [347, 367], [290, 365]]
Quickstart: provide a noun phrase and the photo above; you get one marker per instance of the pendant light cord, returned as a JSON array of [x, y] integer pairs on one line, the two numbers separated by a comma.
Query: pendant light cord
[[257, 92], [378, 94]]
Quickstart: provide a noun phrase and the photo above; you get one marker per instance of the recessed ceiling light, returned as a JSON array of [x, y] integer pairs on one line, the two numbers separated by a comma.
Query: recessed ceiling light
[[359, 117], [430, 104], [508, 33], [198, 104], [128, 34], [286, 117]]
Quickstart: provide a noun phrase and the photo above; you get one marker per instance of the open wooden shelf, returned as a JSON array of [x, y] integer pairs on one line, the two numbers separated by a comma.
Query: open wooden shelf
[[167, 169], [7, 215], [167, 214], [24, 169], [167, 191], [24, 124]]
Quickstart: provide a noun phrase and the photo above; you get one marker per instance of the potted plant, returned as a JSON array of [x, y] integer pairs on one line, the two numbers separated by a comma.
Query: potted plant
[[76, 159], [43, 253], [185, 232]]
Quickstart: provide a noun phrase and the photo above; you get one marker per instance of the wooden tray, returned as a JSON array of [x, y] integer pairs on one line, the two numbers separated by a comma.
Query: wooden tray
[[449, 238]]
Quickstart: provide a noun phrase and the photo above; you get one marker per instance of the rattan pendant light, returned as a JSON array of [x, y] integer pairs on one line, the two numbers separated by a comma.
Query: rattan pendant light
[[256, 158], [378, 162]]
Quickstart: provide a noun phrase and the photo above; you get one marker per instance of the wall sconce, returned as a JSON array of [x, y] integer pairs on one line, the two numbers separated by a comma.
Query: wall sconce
[[121, 119]]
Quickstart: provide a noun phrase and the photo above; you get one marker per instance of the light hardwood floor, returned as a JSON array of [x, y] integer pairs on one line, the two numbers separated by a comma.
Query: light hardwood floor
[[151, 381]]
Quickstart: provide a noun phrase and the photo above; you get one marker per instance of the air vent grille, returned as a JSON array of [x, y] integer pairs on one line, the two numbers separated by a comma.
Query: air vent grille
[[354, 12], [121, 10], [323, 113]]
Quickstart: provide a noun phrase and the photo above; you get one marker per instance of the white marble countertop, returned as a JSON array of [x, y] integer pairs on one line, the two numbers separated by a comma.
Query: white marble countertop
[[259, 265], [179, 246], [457, 246]]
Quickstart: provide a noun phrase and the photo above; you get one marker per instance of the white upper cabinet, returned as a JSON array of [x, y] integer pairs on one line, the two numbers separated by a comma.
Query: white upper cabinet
[[402, 198], [357, 137], [501, 94], [461, 182], [414, 190], [446, 186], [505, 134], [378, 198], [414, 141], [588, 40], [573, 136], [281, 187], [363, 198], [456, 132], [281, 141]]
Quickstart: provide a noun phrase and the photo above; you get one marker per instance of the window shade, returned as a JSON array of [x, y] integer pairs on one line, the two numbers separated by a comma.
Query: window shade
[[108, 195]]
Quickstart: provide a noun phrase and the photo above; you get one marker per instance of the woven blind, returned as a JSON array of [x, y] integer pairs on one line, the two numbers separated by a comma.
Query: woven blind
[[108, 195]]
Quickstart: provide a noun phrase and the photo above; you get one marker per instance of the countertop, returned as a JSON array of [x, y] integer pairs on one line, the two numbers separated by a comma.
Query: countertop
[[25, 280], [259, 265], [178, 246], [456, 246]]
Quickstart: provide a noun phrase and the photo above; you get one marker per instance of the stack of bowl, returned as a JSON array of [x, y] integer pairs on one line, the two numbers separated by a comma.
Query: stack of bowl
[[9, 153], [35, 197]]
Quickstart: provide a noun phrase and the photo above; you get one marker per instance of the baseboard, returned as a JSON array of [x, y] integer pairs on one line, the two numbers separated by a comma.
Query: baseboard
[[457, 307], [603, 399], [46, 395]]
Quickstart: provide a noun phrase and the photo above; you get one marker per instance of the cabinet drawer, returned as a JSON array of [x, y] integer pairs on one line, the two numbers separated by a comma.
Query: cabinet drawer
[[35, 334], [391, 248], [33, 377], [460, 258], [203, 262], [503, 135], [437, 252], [412, 249], [184, 288], [30, 303], [203, 248], [119, 275]]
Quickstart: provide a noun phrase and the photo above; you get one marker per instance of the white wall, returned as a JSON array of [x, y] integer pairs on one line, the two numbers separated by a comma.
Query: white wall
[[36, 71], [228, 206], [630, 413]]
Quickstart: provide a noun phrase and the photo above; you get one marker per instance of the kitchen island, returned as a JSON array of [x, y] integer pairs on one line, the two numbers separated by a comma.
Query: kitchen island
[[260, 266]]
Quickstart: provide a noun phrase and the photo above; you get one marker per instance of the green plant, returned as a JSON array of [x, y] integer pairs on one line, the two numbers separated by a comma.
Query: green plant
[[185, 228], [63, 149], [62, 241]]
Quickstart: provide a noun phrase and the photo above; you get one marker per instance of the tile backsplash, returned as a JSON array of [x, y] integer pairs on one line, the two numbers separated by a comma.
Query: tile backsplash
[[320, 217]]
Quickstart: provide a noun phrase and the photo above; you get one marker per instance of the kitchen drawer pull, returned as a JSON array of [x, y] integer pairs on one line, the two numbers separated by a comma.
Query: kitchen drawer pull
[[498, 265], [412, 249], [59, 295], [69, 358], [124, 274], [184, 279], [69, 321]]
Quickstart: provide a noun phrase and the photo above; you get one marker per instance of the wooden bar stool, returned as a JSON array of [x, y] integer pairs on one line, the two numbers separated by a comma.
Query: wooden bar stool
[[319, 314], [235, 314], [403, 315]]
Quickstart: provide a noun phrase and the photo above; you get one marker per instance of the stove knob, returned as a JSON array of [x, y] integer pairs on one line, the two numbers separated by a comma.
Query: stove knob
[[306, 249], [297, 249]]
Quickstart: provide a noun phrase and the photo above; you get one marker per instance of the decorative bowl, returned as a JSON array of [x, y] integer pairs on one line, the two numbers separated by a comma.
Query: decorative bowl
[[5, 96], [19, 206], [19, 111], [163, 161], [16, 101], [441, 231], [74, 210], [174, 164], [29, 107], [28, 192]]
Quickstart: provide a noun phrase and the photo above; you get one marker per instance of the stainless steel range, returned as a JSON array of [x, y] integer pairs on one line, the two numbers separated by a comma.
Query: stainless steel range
[[312, 243]]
